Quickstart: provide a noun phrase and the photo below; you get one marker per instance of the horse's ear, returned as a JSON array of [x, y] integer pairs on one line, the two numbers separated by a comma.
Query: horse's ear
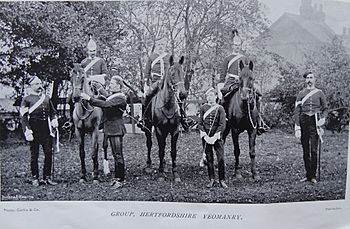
[[182, 60], [241, 65], [251, 65], [171, 60]]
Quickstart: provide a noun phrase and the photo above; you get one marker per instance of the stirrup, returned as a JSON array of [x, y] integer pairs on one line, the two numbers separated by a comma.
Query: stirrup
[[67, 125]]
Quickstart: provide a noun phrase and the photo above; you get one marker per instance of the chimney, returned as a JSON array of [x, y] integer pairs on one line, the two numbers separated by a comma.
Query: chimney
[[320, 7]]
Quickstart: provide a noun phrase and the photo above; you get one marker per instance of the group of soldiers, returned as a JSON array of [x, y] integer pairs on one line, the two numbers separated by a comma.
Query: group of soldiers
[[39, 118]]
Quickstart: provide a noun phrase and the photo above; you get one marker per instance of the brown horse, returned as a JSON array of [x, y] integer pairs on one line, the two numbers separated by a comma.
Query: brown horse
[[165, 116], [242, 114], [86, 119]]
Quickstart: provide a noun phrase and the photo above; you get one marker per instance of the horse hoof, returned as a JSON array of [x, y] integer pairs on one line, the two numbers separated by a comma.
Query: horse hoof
[[95, 181], [148, 170], [161, 179]]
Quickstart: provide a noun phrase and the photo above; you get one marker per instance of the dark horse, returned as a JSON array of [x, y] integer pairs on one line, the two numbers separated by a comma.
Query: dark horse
[[86, 119], [165, 116], [242, 114]]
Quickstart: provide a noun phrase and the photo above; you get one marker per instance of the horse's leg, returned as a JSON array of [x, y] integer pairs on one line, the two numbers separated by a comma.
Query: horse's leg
[[148, 134], [252, 138], [226, 131], [161, 138], [94, 138], [80, 135], [106, 169], [173, 151], [237, 152]]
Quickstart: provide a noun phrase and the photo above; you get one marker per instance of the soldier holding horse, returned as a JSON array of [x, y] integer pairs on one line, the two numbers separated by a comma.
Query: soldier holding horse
[[114, 129]]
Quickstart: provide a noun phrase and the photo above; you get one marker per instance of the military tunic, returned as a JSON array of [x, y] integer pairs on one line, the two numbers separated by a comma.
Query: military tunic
[[100, 67], [38, 122], [213, 124], [113, 109], [229, 72]]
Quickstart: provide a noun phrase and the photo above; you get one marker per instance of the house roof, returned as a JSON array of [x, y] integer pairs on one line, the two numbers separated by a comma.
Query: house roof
[[319, 30]]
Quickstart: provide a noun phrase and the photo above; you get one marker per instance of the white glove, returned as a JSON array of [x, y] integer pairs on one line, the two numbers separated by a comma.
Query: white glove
[[29, 135], [208, 140], [321, 122], [202, 134], [54, 123], [297, 131], [85, 96], [220, 86]]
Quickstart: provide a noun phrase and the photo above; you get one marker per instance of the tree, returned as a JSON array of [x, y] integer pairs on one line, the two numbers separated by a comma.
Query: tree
[[331, 65]]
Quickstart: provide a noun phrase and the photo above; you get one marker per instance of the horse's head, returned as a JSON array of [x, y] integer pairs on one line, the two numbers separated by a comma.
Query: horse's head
[[246, 78], [176, 77], [77, 76]]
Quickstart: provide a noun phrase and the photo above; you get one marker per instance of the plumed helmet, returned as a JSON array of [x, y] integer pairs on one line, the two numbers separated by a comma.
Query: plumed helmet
[[236, 38], [91, 45]]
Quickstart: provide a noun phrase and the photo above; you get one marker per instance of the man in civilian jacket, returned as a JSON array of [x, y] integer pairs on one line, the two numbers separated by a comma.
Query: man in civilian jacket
[[114, 129]]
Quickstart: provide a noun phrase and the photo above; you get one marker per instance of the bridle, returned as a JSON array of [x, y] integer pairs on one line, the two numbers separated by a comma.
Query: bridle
[[84, 107], [252, 95]]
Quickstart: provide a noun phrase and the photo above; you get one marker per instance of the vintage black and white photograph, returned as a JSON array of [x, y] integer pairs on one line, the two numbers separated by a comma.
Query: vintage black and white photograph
[[203, 101]]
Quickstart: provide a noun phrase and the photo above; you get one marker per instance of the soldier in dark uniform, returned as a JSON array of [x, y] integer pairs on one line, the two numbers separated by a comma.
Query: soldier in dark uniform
[[114, 129], [212, 124], [96, 71], [229, 78], [310, 113], [39, 118]]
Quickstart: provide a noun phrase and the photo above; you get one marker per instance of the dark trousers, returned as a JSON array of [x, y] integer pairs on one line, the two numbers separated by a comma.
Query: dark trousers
[[309, 141], [42, 137], [219, 149], [117, 151]]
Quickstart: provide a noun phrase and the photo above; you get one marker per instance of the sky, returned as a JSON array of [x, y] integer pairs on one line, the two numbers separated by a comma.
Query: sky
[[275, 8]]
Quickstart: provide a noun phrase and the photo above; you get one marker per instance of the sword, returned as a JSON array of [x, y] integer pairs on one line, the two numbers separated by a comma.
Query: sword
[[132, 117], [319, 160]]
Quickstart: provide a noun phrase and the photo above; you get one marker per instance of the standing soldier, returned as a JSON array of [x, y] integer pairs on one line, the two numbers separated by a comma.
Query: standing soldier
[[229, 78], [211, 126], [310, 113], [114, 129], [96, 71], [38, 118]]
